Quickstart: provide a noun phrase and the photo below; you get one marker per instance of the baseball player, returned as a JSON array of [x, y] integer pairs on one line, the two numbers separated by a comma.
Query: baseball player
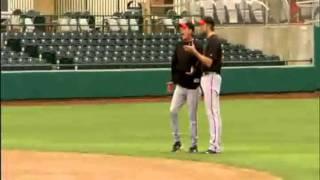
[[211, 61], [186, 74]]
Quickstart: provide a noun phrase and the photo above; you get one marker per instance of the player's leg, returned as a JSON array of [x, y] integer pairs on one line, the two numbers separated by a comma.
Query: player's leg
[[192, 101], [215, 124], [211, 89], [219, 122], [178, 99], [216, 106], [206, 82]]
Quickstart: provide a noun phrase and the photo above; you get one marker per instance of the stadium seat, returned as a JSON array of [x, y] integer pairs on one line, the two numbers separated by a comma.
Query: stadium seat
[[84, 25], [112, 50], [63, 24], [16, 22], [257, 11], [14, 44], [134, 26], [244, 12], [124, 25], [74, 26], [232, 13], [285, 8], [169, 25], [32, 50], [112, 25]]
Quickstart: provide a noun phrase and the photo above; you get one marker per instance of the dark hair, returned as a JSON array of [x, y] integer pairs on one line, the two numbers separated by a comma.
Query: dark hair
[[190, 25], [17, 12], [209, 20]]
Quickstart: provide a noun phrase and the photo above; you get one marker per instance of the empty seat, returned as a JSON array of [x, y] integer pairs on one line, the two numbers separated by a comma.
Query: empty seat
[[63, 24], [73, 25], [92, 42], [114, 50], [124, 25], [82, 60], [134, 27], [220, 11], [257, 11], [168, 24], [232, 14], [84, 25], [15, 22], [112, 25], [244, 12], [11, 60]]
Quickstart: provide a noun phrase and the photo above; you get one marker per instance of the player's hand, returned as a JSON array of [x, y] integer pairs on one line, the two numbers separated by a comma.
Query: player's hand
[[190, 48], [170, 87]]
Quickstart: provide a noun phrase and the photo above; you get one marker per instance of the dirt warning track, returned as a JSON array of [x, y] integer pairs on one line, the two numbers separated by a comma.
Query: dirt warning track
[[95, 101]]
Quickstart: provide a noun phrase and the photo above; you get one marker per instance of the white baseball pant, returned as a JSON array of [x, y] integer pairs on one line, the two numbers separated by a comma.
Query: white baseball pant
[[180, 96], [211, 85]]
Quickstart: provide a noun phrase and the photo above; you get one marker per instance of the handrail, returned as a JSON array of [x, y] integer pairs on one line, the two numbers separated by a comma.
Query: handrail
[[307, 2], [259, 2]]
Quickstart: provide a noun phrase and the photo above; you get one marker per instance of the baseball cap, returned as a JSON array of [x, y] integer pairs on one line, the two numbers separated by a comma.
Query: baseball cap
[[186, 25], [207, 20]]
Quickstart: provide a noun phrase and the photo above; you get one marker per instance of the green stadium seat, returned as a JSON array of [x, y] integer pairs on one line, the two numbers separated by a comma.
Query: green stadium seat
[[119, 49]]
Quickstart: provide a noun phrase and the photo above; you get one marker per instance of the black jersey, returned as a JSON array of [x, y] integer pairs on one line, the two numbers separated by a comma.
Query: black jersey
[[183, 63], [213, 50]]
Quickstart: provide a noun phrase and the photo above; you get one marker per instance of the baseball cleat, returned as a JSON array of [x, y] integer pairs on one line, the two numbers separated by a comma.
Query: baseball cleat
[[209, 151], [193, 149], [176, 146]]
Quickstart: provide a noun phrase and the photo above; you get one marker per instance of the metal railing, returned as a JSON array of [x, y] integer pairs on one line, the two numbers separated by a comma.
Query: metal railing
[[101, 7], [105, 9], [53, 23]]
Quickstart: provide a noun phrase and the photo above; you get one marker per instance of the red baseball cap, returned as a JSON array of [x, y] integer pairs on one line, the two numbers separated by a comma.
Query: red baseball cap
[[187, 25], [206, 20], [202, 22]]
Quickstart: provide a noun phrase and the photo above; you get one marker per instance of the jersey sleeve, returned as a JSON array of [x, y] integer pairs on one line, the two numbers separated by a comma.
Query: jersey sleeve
[[174, 65]]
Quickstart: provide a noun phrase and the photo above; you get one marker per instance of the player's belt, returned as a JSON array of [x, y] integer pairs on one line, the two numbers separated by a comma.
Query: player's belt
[[209, 72]]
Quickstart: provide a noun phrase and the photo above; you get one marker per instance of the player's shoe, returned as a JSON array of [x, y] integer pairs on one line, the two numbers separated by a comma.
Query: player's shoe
[[193, 149], [176, 146], [209, 151]]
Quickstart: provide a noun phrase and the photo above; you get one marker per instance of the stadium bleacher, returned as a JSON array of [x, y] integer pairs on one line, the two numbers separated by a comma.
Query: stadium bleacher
[[97, 50]]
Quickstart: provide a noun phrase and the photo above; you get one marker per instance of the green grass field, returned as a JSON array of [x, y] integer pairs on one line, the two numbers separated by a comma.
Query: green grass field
[[278, 136]]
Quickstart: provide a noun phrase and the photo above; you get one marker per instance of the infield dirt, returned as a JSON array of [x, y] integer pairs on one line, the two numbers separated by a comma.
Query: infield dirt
[[28, 165]]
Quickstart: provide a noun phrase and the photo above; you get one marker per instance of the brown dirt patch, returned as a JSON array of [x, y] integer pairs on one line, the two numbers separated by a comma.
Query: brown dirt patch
[[95, 101], [27, 165]]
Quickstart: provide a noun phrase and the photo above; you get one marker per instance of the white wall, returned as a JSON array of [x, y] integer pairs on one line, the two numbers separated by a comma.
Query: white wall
[[20, 4], [290, 42]]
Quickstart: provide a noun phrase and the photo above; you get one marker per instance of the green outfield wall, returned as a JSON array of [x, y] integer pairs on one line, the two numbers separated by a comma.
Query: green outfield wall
[[130, 83]]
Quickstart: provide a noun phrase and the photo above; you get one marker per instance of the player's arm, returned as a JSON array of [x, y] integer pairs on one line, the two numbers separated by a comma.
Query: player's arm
[[196, 64], [207, 61], [204, 59], [199, 48], [174, 65], [170, 84]]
